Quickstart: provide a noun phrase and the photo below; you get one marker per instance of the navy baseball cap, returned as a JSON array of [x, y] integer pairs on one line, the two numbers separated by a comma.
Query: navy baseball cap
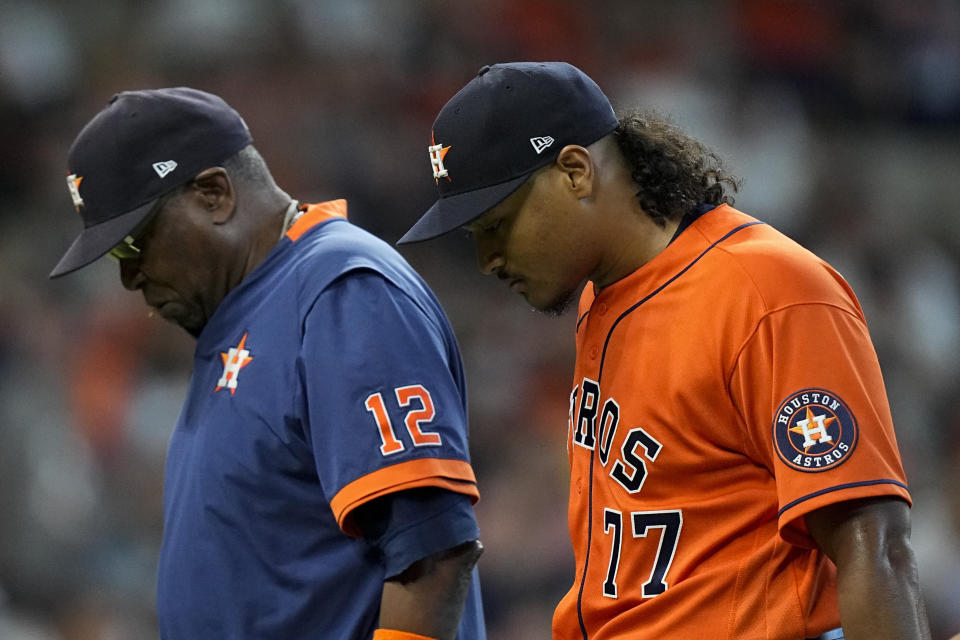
[[509, 121], [142, 145]]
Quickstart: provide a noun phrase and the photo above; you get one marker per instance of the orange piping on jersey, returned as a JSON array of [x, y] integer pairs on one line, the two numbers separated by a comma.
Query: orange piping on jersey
[[315, 214], [452, 475], [393, 634]]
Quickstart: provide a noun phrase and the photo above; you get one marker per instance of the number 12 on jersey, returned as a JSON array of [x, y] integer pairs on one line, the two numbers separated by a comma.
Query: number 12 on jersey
[[390, 444], [641, 522]]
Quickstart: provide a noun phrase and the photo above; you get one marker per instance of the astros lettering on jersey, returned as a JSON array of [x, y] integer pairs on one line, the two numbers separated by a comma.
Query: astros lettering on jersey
[[722, 391]]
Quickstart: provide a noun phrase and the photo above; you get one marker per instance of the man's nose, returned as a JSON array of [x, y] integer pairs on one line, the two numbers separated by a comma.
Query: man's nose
[[130, 274]]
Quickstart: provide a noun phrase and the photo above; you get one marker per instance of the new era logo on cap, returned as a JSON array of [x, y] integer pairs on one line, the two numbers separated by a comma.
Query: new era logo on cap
[[541, 143], [163, 168]]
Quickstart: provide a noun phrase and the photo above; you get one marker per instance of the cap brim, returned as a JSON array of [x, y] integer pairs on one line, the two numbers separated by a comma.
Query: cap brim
[[452, 212], [94, 242]]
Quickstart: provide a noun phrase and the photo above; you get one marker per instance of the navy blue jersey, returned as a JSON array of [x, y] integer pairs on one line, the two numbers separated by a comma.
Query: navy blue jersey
[[327, 379]]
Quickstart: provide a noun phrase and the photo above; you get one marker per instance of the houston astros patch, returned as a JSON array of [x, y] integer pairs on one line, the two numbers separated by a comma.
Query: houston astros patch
[[813, 430]]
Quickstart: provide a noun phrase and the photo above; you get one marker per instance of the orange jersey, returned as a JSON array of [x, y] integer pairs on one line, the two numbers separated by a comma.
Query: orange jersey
[[722, 391]]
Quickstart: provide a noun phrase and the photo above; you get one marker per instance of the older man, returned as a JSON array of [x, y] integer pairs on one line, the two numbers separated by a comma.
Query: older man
[[318, 482]]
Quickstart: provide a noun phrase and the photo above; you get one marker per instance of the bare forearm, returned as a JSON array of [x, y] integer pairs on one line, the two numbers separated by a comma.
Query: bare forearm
[[428, 598], [878, 586], [880, 599]]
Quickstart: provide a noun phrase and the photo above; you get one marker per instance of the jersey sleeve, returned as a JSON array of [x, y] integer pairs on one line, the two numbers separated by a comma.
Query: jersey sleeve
[[410, 525], [808, 385], [385, 395]]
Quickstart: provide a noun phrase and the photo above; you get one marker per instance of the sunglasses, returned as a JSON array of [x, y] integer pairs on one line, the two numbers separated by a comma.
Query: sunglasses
[[131, 247], [127, 249]]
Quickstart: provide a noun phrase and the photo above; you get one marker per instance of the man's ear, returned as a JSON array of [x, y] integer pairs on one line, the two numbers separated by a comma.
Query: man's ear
[[577, 167], [216, 193]]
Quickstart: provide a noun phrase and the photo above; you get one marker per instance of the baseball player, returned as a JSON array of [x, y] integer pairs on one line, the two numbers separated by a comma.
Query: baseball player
[[318, 482], [734, 472]]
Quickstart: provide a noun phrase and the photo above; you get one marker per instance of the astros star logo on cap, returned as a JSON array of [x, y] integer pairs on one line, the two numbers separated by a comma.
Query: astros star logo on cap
[[73, 183], [437, 154]]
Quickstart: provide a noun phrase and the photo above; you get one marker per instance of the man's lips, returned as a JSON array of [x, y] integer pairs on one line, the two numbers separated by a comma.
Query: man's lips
[[158, 304], [516, 284], [155, 303]]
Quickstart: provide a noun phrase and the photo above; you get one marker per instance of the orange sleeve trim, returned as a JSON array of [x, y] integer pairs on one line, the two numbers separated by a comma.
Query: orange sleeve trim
[[392, 634], [453, 475], [315, 214]]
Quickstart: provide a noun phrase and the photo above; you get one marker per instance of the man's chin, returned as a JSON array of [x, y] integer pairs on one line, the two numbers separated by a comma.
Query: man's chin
[[182, 317], [557, 307]]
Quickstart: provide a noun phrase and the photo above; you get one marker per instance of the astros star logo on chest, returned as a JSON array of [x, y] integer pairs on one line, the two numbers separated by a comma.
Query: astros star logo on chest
[[235, 359]]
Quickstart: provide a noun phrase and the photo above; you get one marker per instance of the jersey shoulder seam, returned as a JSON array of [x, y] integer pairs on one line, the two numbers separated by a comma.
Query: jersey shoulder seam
[[370, 269], [750, 336], [770, 312]]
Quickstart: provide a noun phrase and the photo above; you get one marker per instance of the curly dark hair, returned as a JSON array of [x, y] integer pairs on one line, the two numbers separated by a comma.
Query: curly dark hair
[[673, 172]]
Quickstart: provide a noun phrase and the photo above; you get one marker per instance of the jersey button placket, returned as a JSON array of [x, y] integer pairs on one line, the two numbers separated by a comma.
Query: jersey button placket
[[601, 309]]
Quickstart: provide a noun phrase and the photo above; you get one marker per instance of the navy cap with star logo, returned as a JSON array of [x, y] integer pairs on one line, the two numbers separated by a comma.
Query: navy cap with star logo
[[507, 122], [142, 145]]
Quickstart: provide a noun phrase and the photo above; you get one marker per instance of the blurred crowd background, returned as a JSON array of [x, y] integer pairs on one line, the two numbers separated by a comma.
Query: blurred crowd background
[[842, 117]]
